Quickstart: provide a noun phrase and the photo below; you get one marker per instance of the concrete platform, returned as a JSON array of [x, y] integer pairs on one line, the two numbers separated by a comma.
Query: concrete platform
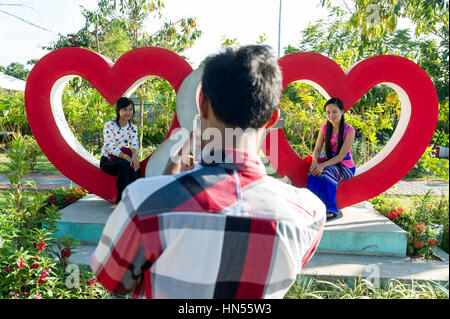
[[85, 219], [347, 268], [359, 229], [332, 267], [338, 258]]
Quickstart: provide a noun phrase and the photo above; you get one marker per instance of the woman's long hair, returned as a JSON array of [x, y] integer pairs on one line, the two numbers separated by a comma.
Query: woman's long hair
[[122, 103], [329, 130]]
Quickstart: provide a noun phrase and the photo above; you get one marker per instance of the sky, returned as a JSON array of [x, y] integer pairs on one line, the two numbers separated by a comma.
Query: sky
[[244, 20]]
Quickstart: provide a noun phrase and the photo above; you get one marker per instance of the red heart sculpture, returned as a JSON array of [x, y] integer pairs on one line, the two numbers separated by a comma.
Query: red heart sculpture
[[419, 113], [414, 131], [44, 87]]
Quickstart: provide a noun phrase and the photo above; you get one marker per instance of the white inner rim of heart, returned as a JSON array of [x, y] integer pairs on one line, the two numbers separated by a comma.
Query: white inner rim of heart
[[186, 105]]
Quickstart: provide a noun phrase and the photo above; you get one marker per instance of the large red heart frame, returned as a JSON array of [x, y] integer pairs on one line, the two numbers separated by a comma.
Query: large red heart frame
[[413, 133]]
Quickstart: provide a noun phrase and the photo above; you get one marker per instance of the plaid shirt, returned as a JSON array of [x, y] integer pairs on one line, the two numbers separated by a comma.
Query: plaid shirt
[[223, 230]]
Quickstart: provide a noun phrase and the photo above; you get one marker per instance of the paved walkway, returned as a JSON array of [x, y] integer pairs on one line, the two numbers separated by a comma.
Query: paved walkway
[[419, 188], [47, 182]]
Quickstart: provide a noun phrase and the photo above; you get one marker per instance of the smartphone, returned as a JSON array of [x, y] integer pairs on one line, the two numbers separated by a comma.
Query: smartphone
[[197, 138]]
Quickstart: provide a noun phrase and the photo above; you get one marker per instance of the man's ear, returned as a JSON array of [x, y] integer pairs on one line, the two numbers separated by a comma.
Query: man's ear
[[204, 105], [273, 119]]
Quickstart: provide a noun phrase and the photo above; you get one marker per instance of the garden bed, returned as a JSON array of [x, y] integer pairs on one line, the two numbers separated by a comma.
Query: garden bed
[[424, 217]]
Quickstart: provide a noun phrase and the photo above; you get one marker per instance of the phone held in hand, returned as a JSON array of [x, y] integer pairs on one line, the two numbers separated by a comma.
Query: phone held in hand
[[197, 138]]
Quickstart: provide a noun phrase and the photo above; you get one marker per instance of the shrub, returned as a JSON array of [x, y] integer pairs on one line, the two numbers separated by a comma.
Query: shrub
[[63, 197], [32, 263], [426, 222], [32, 151]]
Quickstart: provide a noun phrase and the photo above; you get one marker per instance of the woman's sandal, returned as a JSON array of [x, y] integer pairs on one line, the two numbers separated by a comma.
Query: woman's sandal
[[331, 216]]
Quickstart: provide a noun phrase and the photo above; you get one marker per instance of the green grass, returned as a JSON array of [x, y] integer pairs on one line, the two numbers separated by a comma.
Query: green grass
[[28, 194], [43, 165], [310, 288]]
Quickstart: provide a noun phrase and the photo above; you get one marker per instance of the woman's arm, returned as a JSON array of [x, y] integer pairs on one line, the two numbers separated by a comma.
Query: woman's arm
[[348, 142], [134, 148], [316, 154], [318, 147]]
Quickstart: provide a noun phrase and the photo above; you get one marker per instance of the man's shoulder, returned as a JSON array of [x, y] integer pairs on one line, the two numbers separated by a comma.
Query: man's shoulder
[[295, 197], [161, 191], [144, 187]]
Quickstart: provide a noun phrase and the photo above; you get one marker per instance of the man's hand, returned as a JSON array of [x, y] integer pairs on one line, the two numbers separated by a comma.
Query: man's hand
[[180, 161]]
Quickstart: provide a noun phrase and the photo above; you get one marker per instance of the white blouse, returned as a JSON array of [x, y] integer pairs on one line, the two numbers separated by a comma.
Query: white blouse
[[115, 137]]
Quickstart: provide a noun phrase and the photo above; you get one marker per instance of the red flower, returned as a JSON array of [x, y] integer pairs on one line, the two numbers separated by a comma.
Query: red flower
[[9, 269], [34, 266], [39, 246], [65, 253], [21, 265], [432, 242], [91, 282], [393, 215], [420, 226], [44, 275]]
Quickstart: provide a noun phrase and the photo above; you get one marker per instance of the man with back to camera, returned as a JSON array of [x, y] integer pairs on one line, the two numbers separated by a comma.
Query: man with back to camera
[[221, 228]]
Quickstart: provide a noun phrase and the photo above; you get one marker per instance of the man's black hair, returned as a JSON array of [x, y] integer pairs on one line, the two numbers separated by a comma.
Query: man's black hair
[[244, 85]]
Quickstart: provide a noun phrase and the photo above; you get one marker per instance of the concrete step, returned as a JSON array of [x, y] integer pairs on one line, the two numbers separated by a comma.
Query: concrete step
[[85, 219], [378, 269], [347, 268], [359, 229]]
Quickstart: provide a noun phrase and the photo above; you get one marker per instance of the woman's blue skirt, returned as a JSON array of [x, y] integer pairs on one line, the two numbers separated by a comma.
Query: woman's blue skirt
[[325, 185]]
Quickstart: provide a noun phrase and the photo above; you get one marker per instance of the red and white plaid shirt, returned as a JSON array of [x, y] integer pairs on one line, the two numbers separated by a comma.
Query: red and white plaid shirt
[[223, 230]]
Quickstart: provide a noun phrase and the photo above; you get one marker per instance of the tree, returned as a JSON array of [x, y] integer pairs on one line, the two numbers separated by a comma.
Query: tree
[[16, 70], [116, 27], [375, 19], [350, 35], [378, 17]]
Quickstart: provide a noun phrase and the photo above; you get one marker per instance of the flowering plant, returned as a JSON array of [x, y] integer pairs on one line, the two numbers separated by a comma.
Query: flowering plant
[[426, 222], [30, 263], [62, 197]]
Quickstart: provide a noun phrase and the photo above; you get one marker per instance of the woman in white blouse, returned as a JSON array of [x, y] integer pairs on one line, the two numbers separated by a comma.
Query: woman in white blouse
[[118, 157]]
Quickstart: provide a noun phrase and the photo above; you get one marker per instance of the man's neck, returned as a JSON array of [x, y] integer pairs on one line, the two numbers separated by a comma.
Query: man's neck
[[216, 138]]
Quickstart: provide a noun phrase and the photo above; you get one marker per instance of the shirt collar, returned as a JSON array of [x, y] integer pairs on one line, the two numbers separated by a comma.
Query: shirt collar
[[233, 159]]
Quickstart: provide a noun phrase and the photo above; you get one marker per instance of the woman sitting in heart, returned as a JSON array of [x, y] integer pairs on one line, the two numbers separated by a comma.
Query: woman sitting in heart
[[326, 173], [118, 157]]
